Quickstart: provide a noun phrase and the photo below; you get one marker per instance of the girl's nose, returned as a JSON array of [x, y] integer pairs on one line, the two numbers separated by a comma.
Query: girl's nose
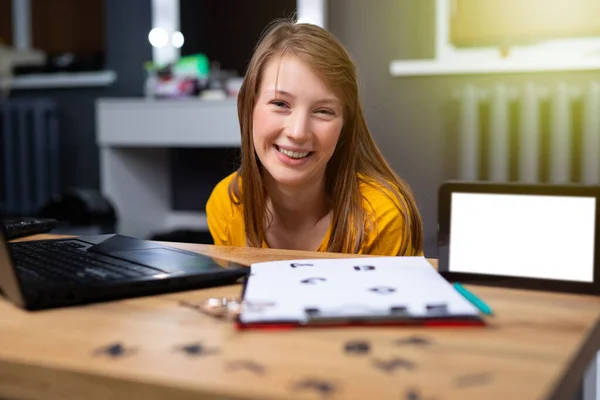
[[298, 127]]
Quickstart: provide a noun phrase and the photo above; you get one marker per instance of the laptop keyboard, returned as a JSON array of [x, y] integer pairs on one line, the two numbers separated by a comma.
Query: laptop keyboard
[[63, 262]]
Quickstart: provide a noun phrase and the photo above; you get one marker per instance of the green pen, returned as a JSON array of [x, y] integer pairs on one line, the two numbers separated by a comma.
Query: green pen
[[476, 301]]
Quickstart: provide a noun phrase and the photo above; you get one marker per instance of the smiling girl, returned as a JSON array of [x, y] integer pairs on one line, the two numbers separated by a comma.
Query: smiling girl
[[311, 176]]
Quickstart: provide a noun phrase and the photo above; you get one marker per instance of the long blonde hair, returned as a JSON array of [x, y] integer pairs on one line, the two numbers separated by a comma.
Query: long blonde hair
[[356, 158]]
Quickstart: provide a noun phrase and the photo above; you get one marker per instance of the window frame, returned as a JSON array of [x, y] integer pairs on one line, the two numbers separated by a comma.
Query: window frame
[[573, 54]]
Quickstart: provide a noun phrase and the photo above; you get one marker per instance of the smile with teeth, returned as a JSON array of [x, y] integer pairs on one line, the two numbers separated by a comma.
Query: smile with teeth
[[293, 154]]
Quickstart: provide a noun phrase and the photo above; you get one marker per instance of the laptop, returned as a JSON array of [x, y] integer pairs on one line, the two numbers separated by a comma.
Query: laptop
[[530, 236], [65, 272]]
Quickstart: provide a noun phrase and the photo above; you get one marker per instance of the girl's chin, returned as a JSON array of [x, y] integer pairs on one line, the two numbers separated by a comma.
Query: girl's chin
[[289, 178]]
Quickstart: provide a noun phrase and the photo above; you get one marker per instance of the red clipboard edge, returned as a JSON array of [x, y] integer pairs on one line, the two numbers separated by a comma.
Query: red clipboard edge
[[283, 326]]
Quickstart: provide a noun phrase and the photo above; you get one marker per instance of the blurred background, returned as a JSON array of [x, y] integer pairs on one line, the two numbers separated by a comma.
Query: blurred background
[[121, 115]]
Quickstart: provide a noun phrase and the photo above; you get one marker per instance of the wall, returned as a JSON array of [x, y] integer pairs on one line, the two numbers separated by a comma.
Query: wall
[[127, 48], [403, 114], [413, 119]]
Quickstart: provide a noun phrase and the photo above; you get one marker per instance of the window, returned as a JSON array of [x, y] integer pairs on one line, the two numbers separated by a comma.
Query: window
[[513, 29], [521, 22], [483, 36]]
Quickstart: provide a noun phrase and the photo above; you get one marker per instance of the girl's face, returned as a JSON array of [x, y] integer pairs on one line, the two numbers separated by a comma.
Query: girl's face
[[297, 121]]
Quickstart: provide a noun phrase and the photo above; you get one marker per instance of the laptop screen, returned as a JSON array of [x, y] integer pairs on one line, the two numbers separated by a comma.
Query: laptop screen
[[527, 236]]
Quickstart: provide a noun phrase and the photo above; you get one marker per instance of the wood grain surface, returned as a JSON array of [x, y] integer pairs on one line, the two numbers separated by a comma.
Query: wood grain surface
[[536, 346]]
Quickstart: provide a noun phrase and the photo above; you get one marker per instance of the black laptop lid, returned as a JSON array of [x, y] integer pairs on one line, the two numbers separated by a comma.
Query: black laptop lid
[[537, 236]]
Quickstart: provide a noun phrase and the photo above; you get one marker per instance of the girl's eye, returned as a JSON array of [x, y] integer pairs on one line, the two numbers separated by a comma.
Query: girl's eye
[[325, 111], [278, 103]]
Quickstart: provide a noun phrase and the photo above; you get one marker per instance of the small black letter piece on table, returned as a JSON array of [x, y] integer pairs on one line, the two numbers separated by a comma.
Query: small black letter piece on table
[[412, 394], [393, 364], [196, 349], [114, 350], [320, 386], [413, 340], [357, 347]]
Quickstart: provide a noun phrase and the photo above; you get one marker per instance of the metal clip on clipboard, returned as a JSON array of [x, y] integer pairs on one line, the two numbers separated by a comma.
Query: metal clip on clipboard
[[315, 316]]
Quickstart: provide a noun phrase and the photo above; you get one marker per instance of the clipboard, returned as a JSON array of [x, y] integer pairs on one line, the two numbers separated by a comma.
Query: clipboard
[[370, 291]]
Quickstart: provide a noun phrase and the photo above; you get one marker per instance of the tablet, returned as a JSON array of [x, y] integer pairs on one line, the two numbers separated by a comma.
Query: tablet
[[531, 236]]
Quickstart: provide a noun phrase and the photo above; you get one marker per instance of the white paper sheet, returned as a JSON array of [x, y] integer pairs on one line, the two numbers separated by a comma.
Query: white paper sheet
[[352, 287]]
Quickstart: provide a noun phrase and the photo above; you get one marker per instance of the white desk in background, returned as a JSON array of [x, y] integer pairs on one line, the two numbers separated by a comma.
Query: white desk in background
[[134, 136]]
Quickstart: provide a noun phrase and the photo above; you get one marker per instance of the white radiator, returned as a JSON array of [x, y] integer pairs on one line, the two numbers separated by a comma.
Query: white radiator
[[29, 155], [540, 133]]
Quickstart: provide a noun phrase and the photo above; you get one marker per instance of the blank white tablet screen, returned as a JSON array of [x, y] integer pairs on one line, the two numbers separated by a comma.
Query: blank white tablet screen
[[530, 236]]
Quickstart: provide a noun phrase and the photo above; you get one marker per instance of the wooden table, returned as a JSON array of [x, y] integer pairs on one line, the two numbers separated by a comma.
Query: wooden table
[[537, 346]]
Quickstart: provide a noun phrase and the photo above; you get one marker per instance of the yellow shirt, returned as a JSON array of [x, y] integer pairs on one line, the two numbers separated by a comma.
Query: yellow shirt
[[226, 220]]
